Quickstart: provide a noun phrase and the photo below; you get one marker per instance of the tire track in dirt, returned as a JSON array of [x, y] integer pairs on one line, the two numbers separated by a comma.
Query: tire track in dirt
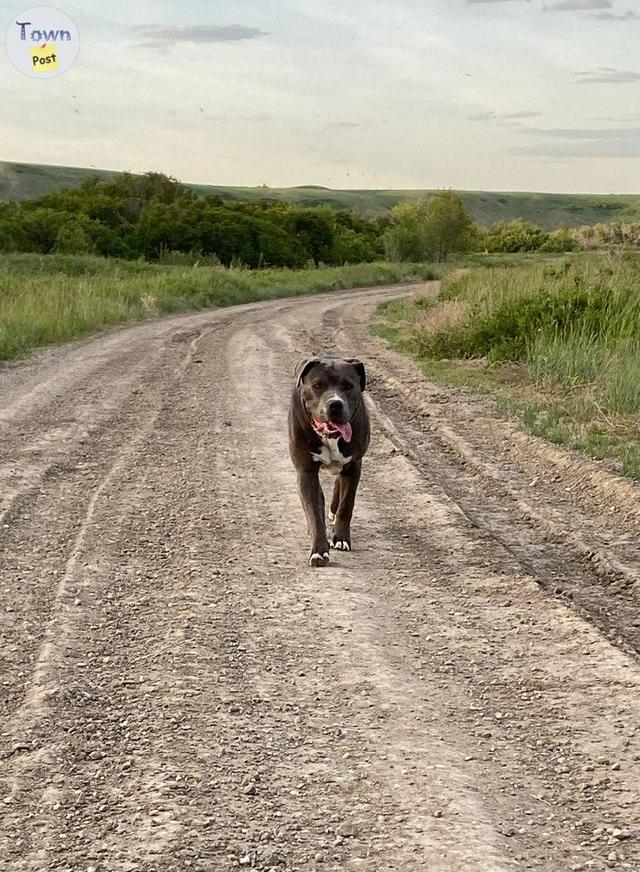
[[134, 426], [73, 592], [97, 390]]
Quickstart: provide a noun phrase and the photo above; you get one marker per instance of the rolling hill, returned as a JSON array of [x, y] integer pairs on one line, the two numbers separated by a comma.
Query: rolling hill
[[24, 181]]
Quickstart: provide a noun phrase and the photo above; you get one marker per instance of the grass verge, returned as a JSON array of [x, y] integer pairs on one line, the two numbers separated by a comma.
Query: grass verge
[[50, 299], [558, 344]]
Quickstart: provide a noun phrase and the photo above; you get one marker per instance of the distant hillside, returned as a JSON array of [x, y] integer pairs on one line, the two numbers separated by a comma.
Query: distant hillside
[[25, 181]]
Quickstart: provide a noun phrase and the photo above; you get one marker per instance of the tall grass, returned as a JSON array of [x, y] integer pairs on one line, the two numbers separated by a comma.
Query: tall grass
[[576, 323], [48, 299], [611, 370], [572, 329]]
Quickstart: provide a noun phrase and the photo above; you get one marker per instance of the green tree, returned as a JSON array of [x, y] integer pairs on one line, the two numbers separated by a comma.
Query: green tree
[[407, 237], [74, 238], [39, 228], [428, 229], [131, 216], [315, 230], [351, 247], [448, 227]]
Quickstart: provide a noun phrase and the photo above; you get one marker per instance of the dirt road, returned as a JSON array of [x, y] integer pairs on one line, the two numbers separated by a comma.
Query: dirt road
[[180, 691]]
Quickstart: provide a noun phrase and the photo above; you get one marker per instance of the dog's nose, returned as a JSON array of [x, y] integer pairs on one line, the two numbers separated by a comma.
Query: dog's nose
[[335, 407]]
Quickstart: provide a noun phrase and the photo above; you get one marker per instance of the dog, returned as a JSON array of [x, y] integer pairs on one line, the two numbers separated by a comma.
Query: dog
[[328, 430]]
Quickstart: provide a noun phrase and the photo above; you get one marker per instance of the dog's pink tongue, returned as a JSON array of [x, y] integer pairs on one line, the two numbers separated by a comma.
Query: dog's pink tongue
[[345, 430]]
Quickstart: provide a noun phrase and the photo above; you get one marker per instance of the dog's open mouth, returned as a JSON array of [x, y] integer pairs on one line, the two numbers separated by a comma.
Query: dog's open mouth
[[332, 430]]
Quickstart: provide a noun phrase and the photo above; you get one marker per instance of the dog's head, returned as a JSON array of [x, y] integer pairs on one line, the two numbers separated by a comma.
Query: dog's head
[[331, 392]]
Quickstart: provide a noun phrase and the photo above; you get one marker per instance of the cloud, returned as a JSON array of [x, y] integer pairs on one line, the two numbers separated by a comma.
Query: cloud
[[624, 120], [162, 38], [517, 116], [578, 5], [504, 118], [588, 149], [606, 76], [617, 16], [585, 133], [565, 142], [259, 118]]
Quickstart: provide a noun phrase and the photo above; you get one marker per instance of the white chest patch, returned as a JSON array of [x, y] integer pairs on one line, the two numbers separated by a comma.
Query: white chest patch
[[330, 458]]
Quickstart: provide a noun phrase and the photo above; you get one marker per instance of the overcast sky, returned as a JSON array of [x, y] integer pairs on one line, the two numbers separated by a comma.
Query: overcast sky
[[468, 94]]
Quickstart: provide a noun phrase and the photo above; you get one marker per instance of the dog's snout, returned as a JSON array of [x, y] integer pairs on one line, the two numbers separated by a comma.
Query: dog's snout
[[335, 407]]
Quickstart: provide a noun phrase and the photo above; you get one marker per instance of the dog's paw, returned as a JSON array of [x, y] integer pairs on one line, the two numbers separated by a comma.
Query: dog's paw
[[341, 544], [318, 559], [332, 517]]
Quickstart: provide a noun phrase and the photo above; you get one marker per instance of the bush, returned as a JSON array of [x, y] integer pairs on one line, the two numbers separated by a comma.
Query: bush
[[514, 236], [507, 310], [560, 240], [73, 238]]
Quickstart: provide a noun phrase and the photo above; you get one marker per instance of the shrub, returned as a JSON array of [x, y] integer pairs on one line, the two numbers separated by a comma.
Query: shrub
[[560, 240], [73, 238], [509, 310], [514, 236]]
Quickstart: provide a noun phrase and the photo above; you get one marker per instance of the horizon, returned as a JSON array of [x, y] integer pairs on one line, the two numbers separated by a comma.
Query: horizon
[[535, 96], [312, 185]]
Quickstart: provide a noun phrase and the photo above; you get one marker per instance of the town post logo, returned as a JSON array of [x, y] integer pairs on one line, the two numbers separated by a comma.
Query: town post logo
[[42, 42]]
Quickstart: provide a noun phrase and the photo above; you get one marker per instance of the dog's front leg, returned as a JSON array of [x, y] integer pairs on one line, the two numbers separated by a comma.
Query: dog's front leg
[[349, 480], [313, 504]]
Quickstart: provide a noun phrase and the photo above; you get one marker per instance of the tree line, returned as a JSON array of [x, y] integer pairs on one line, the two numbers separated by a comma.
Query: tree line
[[156, 218]]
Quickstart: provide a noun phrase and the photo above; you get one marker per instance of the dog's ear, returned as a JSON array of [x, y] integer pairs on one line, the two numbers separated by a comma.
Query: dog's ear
[[359, 368], [303, 368]]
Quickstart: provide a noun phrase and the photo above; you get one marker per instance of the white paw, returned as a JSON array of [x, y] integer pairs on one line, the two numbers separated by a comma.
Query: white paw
[[341, 545], [332, 517], [318, 559]]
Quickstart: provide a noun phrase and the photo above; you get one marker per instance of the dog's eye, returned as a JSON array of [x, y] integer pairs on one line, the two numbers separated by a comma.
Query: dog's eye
[[317, 386], [347, 386]]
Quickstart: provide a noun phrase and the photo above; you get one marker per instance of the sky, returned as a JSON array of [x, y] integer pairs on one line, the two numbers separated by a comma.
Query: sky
[[529, 95]]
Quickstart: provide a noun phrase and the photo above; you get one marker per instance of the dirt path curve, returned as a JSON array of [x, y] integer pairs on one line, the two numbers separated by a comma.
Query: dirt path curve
[[178, 690]]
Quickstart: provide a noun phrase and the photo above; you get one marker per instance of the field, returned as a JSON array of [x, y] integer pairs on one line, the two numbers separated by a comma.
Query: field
[[558, 343], [49, 299], [25, 181]]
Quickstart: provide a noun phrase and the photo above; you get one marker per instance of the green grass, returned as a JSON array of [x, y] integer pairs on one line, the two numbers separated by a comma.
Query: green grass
[[557, 343], [49, 299], [576, 422], [508, 260], [25, 181], [533, 311]]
